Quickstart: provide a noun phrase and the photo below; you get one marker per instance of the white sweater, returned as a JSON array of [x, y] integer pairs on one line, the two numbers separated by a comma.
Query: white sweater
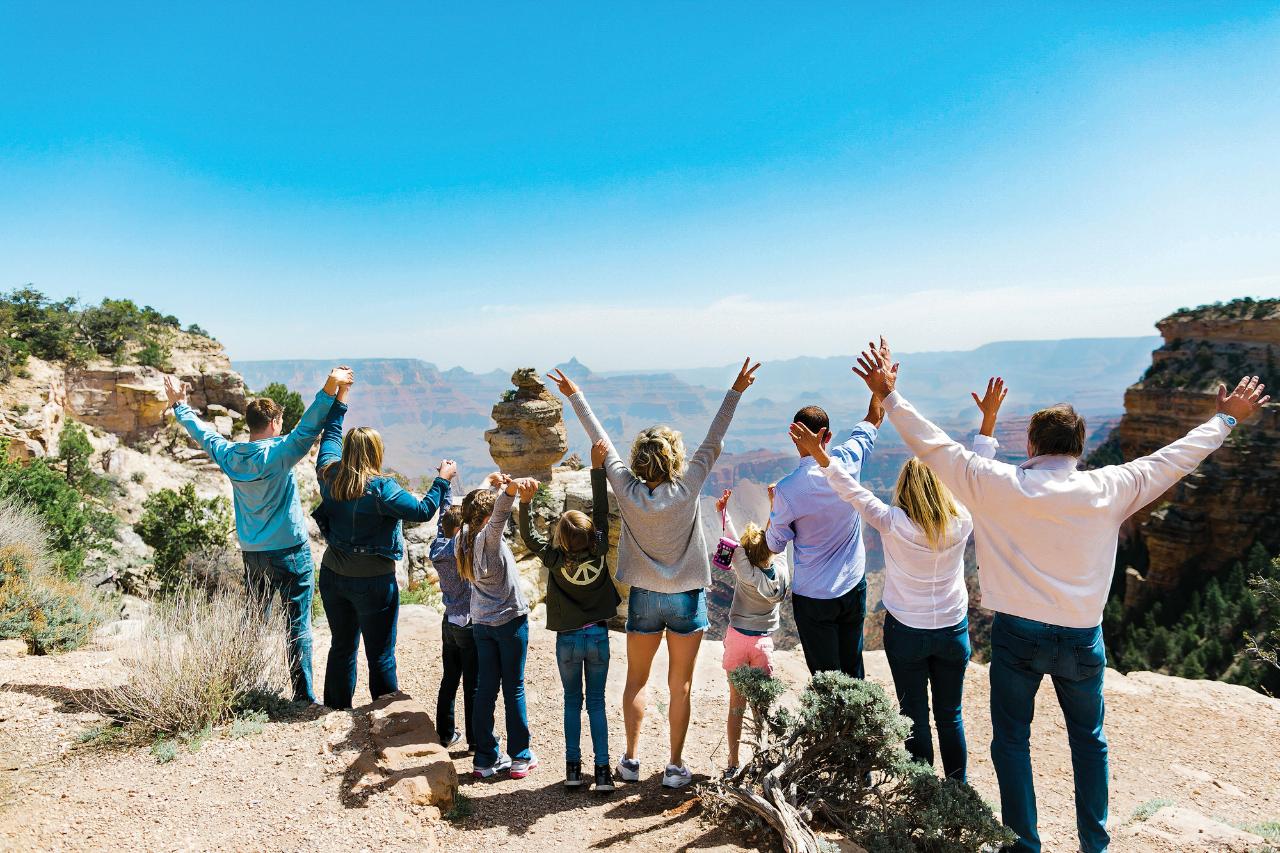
[[1046, 533], [923, 587]]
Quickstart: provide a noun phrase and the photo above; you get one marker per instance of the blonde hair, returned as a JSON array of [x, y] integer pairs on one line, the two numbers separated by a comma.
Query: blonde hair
[[657, 456], [928, 503], [476, 507], [361, 461], [754, 546], [572, 532]]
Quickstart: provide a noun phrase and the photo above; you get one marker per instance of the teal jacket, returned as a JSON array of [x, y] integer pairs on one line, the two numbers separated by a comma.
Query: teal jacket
[[268, 513]]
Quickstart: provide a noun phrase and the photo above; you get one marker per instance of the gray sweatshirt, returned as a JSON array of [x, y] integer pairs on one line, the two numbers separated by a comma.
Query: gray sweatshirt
[[757, 598], [662, 547], [495, 592]]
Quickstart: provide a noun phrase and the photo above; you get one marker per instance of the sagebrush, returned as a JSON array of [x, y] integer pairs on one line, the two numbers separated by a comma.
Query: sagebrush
[[838, 762], [200, 660]]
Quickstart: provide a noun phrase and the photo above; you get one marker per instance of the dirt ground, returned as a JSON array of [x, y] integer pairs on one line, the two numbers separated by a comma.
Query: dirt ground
[[1206, 746]]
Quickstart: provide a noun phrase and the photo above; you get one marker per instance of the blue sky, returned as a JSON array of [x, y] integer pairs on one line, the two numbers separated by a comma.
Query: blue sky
[[641, 185]]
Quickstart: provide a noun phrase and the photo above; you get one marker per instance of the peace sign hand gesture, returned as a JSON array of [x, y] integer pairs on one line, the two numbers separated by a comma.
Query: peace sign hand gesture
[[566, 385], [746, 375]]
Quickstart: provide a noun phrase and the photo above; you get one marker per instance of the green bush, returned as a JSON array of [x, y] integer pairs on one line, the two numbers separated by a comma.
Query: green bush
[[76, 524], [48, 612], [180, 523], [290, 401], [839, 762]]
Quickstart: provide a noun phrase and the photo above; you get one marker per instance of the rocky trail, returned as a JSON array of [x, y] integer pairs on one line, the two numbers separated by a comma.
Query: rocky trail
[[1207, 747]]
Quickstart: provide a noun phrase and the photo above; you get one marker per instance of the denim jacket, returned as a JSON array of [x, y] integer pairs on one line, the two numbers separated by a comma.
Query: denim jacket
[[370, 524]]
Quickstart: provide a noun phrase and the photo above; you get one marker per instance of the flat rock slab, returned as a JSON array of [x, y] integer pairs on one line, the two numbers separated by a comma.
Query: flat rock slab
[[405, 756]]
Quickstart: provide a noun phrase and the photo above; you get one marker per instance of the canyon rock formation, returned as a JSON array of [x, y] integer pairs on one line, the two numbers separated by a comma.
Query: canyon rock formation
[[530, 435]]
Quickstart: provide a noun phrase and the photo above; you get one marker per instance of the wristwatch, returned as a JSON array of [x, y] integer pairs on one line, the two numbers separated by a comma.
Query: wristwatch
[[1226, 419]]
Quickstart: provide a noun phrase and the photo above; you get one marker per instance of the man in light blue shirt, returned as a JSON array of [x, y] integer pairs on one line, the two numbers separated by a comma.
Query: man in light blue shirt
[[828, 583], [270, 524]]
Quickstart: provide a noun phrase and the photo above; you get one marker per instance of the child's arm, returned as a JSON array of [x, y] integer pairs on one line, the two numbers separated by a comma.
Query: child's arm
[[722, 507], [533, 540], [599, 500]]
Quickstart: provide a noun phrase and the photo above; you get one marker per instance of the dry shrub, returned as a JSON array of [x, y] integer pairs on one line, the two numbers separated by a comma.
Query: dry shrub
[[214, 569], [199, 661], [47, 611]]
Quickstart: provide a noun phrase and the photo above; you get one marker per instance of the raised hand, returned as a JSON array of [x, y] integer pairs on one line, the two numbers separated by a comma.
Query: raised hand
[[566, 385], [746, 376], [723, 500], [599, 452], [527, 487], [772, 489], [875, 369], [814, 444], [496, 480], [990, 402], [1245, 400], [175, 390], [447, 470]]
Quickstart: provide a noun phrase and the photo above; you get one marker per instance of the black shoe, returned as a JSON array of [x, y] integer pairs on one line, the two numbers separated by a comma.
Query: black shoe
[[573, 774], [604, 779]]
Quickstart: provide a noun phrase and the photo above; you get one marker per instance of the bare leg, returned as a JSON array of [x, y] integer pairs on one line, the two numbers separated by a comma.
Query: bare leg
[[635, 697], [737, 707], [682, 649]]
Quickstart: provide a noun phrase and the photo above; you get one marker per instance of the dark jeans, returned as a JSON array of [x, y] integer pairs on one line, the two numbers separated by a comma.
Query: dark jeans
[[459, 652], [355, 608], [1023, 652], [584, 655], [924, 660], [831, 630], [288, 574], [500, 654]]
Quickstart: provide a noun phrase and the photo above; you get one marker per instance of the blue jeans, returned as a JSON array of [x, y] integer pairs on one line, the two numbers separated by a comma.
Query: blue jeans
[[287, 573], [924, 660], [1022, 653], [650, 612], [357, 607], [500, 654], [585, 651]]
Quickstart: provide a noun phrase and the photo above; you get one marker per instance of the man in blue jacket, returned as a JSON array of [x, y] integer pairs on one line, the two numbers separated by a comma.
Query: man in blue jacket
[[269, 519]]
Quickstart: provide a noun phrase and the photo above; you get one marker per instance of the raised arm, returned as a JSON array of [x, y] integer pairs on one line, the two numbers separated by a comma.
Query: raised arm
[[873, 510], [446, 501], [213, 444], [400, 503], [301, 437], [984, 443], [533, 540], [599, 500], [1143, 480], [704, 458], [331, 436], [616, 471]]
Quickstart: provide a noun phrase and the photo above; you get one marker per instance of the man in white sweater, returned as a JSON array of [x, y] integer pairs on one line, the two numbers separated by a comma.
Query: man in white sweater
[[1046, 536]]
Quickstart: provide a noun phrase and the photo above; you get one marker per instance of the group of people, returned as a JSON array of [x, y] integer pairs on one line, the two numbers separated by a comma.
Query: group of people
[[1045, 534]]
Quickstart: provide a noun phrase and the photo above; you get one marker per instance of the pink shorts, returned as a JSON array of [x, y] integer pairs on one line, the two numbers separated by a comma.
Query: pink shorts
[[740, 648]]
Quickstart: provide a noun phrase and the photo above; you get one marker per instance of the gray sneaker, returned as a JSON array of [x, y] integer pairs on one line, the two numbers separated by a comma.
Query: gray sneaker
[[676, 777], [629, 769], [502, 765]]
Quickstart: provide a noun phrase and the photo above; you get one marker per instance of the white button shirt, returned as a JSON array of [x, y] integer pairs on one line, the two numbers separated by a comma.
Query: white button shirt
[[923, 587]]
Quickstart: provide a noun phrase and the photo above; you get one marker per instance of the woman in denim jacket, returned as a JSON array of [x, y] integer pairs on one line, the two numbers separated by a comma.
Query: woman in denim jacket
[[361, 515]]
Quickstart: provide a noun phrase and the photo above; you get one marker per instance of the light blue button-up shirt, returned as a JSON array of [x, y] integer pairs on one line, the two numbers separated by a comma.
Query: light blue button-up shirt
[[828, 558]]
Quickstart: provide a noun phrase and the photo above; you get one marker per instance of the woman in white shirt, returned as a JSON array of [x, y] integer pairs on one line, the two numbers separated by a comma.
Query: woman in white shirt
[[926, 629]]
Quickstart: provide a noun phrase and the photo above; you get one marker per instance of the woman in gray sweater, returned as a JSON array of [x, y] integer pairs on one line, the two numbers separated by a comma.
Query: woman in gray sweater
[[662, 555]]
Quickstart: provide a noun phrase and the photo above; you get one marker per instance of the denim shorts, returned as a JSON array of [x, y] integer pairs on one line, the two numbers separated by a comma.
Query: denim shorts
[[678, 612]]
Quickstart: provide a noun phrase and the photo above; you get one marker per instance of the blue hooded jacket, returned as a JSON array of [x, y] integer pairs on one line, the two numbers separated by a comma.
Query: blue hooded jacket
[[268, 513]]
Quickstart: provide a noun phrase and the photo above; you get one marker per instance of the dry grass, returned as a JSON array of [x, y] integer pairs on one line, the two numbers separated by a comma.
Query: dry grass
[[199, 661]]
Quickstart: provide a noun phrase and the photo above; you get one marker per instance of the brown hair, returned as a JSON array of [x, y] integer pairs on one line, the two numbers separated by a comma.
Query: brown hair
[[754, 546], [572, 532], [261, 412], [813, 417], [451, 521], [477, 506], [921, 495], [1056, 431], [361, 461]]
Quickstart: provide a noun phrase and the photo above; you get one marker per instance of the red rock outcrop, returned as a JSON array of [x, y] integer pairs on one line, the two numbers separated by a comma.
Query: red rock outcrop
[[530, 436], [1214, 516]]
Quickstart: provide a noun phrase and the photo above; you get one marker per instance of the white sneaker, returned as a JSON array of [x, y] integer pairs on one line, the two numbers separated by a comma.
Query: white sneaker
[[676, 777], [521, 767], [501, 765], [629, 769]]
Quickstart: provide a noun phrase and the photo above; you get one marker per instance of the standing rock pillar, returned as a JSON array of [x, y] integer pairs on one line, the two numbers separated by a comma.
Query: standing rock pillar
[[530, 437]]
